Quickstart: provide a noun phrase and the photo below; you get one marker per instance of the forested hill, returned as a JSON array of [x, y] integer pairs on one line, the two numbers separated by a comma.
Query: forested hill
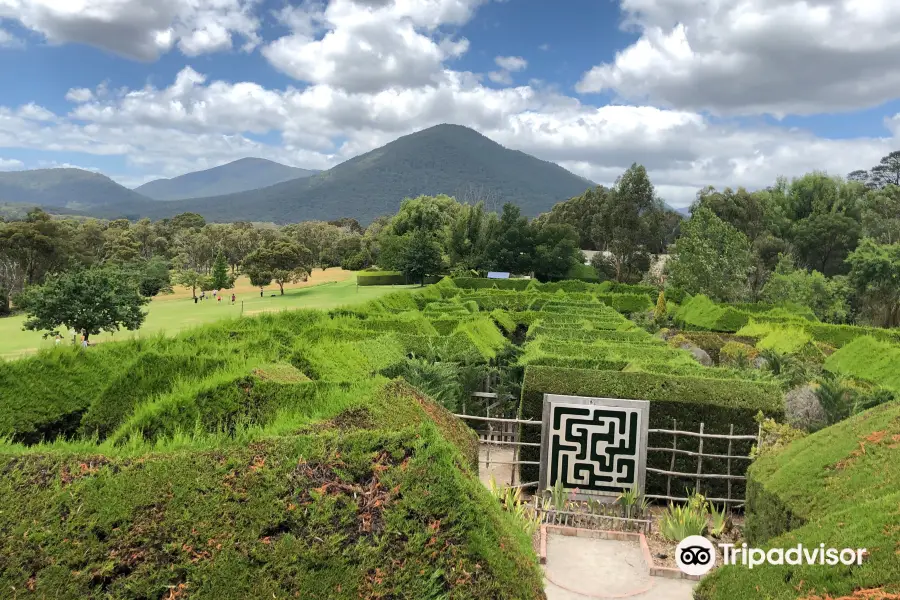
[[237, 176], [445, 159], [66, 188]]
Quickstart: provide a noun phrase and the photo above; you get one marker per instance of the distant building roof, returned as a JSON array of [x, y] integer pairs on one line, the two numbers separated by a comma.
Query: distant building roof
[[497, 275]]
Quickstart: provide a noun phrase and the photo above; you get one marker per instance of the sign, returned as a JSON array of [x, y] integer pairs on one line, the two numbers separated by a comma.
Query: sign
[[595, 445]]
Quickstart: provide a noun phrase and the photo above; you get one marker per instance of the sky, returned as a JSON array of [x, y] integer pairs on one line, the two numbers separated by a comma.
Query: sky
[[701, 92]]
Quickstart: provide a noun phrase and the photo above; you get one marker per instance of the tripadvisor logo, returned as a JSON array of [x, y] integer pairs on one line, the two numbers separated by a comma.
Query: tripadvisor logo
[[696, 555]]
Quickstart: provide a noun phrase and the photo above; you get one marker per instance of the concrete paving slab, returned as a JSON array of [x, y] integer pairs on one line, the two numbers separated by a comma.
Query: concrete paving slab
[[578, 568]]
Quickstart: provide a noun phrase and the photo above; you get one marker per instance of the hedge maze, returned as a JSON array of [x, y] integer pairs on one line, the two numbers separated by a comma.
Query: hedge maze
[[289, 453]]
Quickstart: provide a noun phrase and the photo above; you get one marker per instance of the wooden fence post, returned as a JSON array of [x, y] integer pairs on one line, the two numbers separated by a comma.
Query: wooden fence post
[[699, 460], [730, 433], [672, 462]]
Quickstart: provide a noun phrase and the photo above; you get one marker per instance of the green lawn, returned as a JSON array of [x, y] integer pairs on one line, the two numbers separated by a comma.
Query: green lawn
[[171, 315]]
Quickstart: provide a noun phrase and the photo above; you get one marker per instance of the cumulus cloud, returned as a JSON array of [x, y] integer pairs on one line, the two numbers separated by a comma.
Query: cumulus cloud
[[140, 29], [79, 95], [508, 65], [195, 123], [756, 56], [367, 46]]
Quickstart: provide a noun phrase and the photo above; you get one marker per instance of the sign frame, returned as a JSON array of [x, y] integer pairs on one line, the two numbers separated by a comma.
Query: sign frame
[[642, 406]]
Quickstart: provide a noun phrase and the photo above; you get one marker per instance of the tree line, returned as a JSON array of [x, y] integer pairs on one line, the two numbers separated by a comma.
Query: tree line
[[826, 242]]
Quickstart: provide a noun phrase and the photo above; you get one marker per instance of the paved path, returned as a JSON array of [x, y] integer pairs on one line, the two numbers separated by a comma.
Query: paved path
[[583, 568], [501, 473]]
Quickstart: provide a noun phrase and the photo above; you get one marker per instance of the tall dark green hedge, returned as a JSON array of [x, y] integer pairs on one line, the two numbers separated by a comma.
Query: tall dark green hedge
[[688, 400]]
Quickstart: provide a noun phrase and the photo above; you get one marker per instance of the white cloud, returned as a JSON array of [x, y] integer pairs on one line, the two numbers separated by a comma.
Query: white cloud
[[369, 45], [139, 29], [8, 40], [378, 69], [511, 63], [757, 56], [544, 47], [11, 164], [502, 77], [508, 65], [79, 95], [195, 124]]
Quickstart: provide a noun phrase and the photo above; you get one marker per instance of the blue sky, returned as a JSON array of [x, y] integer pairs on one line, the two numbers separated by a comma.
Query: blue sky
[[730, 95]]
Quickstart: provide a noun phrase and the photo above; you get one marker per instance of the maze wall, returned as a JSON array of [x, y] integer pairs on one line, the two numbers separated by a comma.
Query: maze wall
[[594, 445]]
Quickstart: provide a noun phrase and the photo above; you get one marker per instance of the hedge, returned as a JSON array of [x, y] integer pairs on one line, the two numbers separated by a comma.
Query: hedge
[[839, 486], [479, 283], [244, 520], [627, 303], [389, 278], [717, 403], [868, 359]]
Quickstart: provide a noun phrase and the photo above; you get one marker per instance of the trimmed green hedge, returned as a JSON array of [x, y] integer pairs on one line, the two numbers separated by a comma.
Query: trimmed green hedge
[[870, 360], [627, 303], [839, 486], [388, 278], [717, 403], [479, 283]]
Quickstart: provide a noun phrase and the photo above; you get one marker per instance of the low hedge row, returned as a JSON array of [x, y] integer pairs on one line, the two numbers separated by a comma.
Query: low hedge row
[[479, 283], [627, 303], [389, 278], [688, 400]]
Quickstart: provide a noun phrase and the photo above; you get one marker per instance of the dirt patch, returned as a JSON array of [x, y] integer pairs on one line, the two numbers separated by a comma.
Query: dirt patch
[[869, 594], [662, 551], [314, 480], [87, 468], [889, 438]]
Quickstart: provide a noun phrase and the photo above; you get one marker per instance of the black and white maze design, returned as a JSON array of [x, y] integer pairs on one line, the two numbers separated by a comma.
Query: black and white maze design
[[594, 448]]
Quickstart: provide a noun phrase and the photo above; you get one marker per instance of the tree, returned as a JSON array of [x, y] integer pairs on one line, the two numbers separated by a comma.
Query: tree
[[467, 242], [220, 278], [320, 238], [631, 224], [711, 257], [887, 171], [90, 300], [192, 279], [151, 276], [556, 250], [283, 261], [746, 212], [875, 273], [421, 255], [823, 241], [580, 212], [511, 242], [827, 297], [881, 215]]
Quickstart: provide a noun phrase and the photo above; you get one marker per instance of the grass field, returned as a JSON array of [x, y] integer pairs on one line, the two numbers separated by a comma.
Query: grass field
[[171, 313]]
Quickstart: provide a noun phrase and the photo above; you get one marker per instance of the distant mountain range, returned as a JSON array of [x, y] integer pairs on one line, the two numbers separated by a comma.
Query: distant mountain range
[[74, 189], [238, 176], [445, 159]]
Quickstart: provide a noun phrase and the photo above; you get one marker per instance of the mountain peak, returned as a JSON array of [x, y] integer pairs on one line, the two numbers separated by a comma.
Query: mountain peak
[[237, 176], [443, 159]]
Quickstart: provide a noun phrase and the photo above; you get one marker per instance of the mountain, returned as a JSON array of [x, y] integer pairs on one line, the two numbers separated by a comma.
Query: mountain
[[445, 159], [238, 176], [74, 189]]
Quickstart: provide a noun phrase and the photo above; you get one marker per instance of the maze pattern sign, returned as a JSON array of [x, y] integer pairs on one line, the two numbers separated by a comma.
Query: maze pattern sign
[[595, 445]]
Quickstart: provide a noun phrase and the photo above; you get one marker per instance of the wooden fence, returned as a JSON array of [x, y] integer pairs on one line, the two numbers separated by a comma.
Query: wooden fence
[[700, 475]]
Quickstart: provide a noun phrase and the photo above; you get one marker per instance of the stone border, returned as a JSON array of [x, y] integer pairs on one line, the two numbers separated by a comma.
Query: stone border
[[620, 536]]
